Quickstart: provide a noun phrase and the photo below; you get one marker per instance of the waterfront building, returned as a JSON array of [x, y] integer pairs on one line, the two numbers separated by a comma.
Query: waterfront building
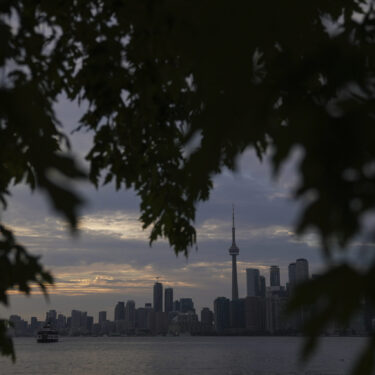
[[302, 270], [221, 313], [161, 323], [262, 284], [168, 300], [255, 314], [276, 319], [119, 311], [207, 318], [237, 313], [19, 326], [275, 276], [176, 306], [61, 322], [102, 317], [83, 322], [186, 305], [141, 320], [89, 324], [233, 252], [75, 322], [187, 322], [151, 320], [130, 316], [292, 275], [158, 297], [51, 317], [34, 324], [252, 282]]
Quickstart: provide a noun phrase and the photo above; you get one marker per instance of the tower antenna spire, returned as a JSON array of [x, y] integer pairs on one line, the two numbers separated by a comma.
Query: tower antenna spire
[[233, 252], [233, 227], [233, 213]]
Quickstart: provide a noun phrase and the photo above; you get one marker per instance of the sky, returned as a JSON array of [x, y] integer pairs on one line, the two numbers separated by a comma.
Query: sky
[[110, 259]]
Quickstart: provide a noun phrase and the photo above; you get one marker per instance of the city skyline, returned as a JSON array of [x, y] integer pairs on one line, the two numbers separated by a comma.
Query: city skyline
[[260, 312], [110, 256], [265, 270], [159, 292]]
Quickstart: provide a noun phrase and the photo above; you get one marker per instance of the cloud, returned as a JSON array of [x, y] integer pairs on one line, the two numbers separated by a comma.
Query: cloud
[[119, 224], [101, 278]]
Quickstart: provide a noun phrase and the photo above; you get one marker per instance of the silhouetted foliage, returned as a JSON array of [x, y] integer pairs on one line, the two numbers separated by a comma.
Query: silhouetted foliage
[[17, 270], [237, 75], [6, 343]]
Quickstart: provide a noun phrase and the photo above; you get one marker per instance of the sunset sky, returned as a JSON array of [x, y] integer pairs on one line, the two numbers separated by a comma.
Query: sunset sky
[[110, 260]]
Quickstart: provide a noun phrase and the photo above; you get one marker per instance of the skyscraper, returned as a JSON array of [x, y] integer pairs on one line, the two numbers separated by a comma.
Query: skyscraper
[[222, 313], [252, 282], [237, 313], [130, 315], [186, 305], [262, 283], [120, 311], [292, 274], [168, 300], [275, 276], [207, 317], [255, 314], [75, 324], [233, 252], [51, 317], [176, 305], [102, 316], [158, 297], [302, 270]]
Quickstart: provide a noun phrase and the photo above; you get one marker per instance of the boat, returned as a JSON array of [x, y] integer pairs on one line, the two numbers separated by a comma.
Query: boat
[[47, 334]]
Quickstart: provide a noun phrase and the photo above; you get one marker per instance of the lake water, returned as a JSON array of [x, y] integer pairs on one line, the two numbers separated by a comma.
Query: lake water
[[179, 356]]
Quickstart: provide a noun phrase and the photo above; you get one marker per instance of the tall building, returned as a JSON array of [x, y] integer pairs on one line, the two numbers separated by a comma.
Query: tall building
[[255, 314], [89, 323], [51, 317], [84, 321], [262, 283], [141, 319], [119, 311], [168, 300], [186, 305], [292, 275], [161, 323], [233, 252], [275, 276], [130, 315], [237, 313], [222, 313], [276, 319], [75, 322], [34, 324], [176, 306], [102, 316], [207, 317], [158, 297], [302, 270], [61, 322], [252, 282]]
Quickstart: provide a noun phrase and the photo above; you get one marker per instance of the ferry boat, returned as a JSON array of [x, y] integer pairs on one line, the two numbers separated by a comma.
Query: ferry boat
[[47, 334]]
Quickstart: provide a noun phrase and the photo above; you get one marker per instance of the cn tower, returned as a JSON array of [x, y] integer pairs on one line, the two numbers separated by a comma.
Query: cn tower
[[234, 251]]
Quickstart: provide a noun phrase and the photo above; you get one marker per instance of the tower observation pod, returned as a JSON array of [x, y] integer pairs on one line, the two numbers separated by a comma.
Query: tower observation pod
[[233, 252]]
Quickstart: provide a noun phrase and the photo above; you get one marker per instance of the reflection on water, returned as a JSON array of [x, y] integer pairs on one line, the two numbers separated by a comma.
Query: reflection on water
[[179, 356]]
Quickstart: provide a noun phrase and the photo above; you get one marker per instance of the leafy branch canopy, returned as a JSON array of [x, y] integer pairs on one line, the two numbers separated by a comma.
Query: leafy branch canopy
[[155, 74]]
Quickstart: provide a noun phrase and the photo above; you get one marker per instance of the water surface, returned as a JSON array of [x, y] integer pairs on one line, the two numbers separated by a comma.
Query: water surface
[[179, 356]]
